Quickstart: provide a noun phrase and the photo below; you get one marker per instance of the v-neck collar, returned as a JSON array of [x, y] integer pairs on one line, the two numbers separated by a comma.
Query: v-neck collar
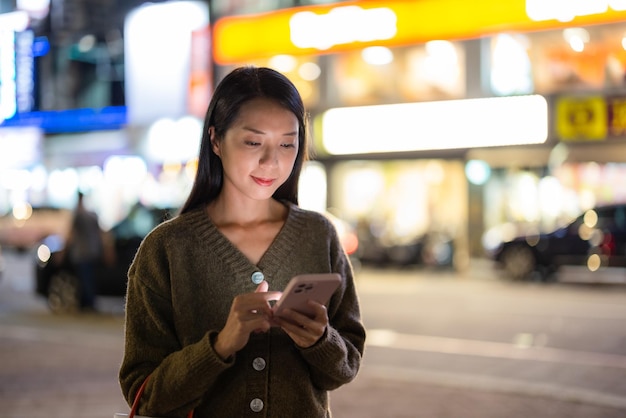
[[275, 255]]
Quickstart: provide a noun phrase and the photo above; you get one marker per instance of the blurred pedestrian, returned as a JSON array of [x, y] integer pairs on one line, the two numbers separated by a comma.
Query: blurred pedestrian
[[199, 321], [85, 249]]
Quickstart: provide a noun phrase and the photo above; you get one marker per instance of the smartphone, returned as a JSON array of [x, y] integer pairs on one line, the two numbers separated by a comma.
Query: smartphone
[[304, 287]]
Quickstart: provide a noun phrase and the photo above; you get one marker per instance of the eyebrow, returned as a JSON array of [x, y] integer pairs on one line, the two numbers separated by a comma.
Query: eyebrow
[[257, 131]]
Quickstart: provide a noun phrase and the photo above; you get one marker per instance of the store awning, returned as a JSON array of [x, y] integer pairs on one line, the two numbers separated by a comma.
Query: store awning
[[545, 155]]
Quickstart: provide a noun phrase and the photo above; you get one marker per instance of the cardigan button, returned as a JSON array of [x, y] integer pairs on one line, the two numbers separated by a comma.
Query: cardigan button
[[258, 364], [256, 405], [257, 277]]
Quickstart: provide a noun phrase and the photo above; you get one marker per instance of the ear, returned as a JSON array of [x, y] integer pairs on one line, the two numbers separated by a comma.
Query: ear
[[215, 144]]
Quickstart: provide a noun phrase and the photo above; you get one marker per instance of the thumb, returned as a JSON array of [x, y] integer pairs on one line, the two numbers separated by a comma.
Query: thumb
[[262, 287]]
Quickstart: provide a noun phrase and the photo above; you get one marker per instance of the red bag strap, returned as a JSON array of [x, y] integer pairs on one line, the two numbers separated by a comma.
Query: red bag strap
[[133, 409]]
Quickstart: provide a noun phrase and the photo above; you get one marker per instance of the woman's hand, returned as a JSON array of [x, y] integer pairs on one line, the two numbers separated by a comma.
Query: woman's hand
[[250, 312], [303, 330]]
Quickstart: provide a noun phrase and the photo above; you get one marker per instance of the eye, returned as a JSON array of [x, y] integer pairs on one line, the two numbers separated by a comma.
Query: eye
[[252, 143], [288, 145]]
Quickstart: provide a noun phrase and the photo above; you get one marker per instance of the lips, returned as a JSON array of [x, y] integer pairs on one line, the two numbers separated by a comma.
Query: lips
[[262, 181]]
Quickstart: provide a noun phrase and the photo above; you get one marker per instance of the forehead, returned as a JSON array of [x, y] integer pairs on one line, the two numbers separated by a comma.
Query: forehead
[[265, 110]]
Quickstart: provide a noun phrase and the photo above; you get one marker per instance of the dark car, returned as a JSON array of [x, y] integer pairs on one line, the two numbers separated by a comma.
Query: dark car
[[595, 240], [432, 249], [56, 279]]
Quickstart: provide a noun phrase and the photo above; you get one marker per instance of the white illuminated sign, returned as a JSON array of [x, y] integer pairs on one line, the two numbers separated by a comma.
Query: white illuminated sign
[[9, 24], [157, 45], [21, 147], [567, 10], [454, 124], [14, 21], [37, 9], [342, 25], [161, 148], [24, 76], [8, 86]]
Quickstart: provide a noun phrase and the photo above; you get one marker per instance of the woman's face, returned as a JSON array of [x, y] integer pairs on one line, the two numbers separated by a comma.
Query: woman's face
[[259, 150]]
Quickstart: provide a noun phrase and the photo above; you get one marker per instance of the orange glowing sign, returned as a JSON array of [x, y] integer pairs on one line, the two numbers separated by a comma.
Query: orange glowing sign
[[357, 24]]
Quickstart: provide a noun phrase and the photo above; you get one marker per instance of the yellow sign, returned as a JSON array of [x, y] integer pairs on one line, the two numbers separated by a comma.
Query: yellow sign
[[617, 116], [357, 24], [583, 118]]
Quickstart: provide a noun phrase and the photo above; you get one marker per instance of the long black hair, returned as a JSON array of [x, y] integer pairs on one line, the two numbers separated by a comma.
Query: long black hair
[[237, 88]]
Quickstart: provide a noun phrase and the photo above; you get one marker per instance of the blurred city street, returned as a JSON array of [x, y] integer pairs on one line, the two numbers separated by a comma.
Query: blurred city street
[[442, 137], [440, 344]]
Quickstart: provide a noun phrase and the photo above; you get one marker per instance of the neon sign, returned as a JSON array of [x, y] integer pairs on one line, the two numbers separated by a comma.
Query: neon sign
[[317, 29], [8, 92], [567, 10], [24, 75], [342, 25]]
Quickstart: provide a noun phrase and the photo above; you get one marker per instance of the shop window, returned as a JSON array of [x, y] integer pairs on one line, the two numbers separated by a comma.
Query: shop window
[[511, 70], [579, 58], [432, 71]]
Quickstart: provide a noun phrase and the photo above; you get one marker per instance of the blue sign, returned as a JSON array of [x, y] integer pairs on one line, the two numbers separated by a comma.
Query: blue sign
[[73, 120], [41, 46]]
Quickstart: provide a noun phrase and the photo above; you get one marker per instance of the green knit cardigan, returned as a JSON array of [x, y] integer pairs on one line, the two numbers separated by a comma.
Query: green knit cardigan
[[180, 288]]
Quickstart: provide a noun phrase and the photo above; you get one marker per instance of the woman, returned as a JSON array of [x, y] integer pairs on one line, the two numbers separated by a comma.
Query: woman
[[198, 310]]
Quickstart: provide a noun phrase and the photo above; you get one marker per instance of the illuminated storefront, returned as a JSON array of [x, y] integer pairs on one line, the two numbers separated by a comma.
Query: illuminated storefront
[[73, 133], [362, 67], [401, 96]]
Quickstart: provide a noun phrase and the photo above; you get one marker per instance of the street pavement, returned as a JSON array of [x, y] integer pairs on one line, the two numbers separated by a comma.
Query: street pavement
[[69, 374], [64, 367]]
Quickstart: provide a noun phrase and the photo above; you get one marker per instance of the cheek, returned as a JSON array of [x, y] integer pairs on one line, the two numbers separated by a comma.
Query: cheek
[[288, 160]]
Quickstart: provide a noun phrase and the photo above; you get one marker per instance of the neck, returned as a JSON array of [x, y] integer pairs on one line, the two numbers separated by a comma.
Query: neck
[[244, 212]]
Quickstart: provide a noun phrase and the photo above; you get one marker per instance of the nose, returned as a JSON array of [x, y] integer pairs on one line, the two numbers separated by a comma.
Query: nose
[[269, 157]]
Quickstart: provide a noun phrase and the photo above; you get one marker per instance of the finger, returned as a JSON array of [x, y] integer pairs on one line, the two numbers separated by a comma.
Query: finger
[[302, 336], [263, 299], [319, 309], [260, 302], [262, 287], [273, 295], [318, 314], [261, 324], [299, 320], [315, 324]]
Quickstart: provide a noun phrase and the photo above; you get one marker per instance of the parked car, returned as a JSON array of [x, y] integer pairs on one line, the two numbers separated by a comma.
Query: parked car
[[595, 239], [25, 226], [56, 279], [432, 249]]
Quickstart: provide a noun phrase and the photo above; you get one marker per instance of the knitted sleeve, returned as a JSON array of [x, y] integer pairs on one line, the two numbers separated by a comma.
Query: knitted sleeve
[[336, 358], [178, 376]]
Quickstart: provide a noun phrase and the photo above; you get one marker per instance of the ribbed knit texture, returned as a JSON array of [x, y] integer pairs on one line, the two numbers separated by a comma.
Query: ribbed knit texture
[[181, 285]]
